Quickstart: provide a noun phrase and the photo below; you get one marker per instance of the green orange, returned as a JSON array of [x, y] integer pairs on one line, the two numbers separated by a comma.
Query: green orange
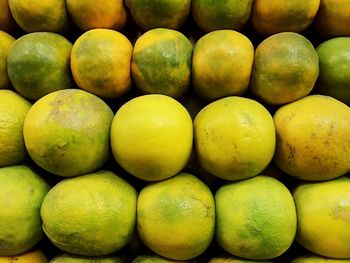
[[234, 260], [40, 15], [221, 64], [176, 217], [100, 62], [226, 134], [149, 14], [285, 68], [323, 210], [21, 196], [32, 256], [275, 16], [161, 62], [145, 137], [90, 215], [333, 18], [212, 15], [6, 42], [256, 218], [334, 57], [89, 14], [70, 258], [38, 63], [313, 139], [310, 258], [67, 132], [13, 110]]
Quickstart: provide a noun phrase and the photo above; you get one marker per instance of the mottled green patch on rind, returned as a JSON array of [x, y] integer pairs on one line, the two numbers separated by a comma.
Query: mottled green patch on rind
[[164, 67], [285, 68], [150, 14], [334, 61], [21, 195], [72, 135], [38, 64], [52, 17], [155, 259], [99, 212], [256, 218], [213, 15]]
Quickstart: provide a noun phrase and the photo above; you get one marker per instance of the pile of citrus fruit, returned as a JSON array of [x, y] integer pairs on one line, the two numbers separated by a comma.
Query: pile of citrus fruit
[[174, 131]]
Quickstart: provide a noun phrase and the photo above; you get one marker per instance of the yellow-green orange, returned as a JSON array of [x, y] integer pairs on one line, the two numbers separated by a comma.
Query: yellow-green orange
[[40, 15], [38, 63], [6, 42], [317, 259], [313, 139], [161, 62], [100, 62], [35, 256], [323, 210], [274, 16], [69, 258], [21, 195], [176, 217], [212, 15], [149, 14], [156, 259], [67, 132], [234, 260], [285, 68], [227, 133], [13, 110], [256, 218], [334, 57], [90, 14], [151, 137], [7, 23], [221, 64], [90, 215], [333, 18]]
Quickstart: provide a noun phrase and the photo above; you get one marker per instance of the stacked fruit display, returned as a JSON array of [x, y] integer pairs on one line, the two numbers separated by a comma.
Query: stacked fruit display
[[174, 131]]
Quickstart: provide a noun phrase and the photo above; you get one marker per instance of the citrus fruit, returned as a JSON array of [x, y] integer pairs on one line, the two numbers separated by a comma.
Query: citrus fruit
[[313, 139], [161, 62], [90, 215], [68, 258], [226, 146], [285, 68], [334, 57], [151, 137], [256, 218], [89, 14], [212, 15], [35, 256], [275, 16], [234, 260], [38, 63], [221, 64], [317, 259], [6, 42], [333, 17], [7, 23], [100, 62], [21, 195], [150, 14], [156, 259], [40, 16], [13, 110], [67, 132], [176, 217], [323, 210]]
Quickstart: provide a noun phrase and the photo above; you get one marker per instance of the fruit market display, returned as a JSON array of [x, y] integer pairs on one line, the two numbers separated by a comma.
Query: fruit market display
[[149, 131]]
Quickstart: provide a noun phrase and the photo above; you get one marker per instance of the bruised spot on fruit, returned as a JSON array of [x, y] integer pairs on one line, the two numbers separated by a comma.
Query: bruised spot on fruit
[[288, 118], [341, 211], [291, 153]]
